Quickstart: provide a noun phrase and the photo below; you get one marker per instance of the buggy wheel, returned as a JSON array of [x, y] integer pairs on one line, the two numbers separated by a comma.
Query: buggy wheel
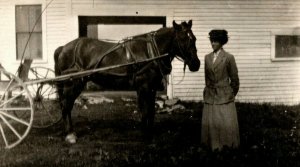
[[46, 103], [16, 110]]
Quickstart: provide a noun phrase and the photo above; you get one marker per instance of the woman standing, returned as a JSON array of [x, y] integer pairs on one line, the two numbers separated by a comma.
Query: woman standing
[[219, 117]]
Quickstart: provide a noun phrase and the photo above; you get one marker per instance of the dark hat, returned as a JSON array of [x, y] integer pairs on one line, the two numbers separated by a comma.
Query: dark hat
[[219, 35]]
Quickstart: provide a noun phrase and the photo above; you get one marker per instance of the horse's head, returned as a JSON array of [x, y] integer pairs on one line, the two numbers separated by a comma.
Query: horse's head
[[184, 45]]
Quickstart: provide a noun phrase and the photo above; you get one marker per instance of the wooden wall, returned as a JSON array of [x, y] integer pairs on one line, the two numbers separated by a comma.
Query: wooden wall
[[250, 25]]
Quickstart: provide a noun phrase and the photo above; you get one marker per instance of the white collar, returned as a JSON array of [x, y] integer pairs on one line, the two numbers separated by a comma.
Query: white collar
[[218, 52]]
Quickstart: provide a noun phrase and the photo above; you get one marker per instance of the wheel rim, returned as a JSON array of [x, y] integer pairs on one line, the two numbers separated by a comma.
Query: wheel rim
[[16, 111]]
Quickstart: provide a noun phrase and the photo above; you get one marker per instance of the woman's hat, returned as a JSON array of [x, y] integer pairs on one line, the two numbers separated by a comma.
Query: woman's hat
[[219, 35]]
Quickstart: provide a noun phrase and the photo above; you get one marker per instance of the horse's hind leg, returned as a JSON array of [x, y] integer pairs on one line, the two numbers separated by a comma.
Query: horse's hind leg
[[71, 91]]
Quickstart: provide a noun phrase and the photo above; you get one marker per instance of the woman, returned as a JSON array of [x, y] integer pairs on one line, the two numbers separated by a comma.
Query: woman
[[219, 117]]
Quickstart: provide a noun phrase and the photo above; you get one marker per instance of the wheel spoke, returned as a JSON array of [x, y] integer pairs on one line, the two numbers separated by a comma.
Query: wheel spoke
[[40, 76], [52, 93], [33, 88], [11, 99], [14, 109], [46, 90], [15, 118], [3, 135], [49, 114], [11, 127], [5, 90], [46, 74], [35, 73]]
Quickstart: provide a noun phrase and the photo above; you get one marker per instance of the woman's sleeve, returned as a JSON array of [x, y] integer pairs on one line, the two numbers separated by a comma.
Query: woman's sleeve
[[205, 69], [233, 74]]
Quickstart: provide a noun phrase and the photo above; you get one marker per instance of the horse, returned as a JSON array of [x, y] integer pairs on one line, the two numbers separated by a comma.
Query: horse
[[145, 78]]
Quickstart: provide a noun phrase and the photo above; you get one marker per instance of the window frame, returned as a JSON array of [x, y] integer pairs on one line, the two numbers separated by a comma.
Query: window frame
[[294, 31], [44, 58]]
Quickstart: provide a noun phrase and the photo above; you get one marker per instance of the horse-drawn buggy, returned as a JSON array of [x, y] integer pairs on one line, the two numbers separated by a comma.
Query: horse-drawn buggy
[[40, 97]]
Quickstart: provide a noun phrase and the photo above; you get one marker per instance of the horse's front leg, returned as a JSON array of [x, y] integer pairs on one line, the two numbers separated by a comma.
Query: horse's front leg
[[146, 105], [66, 115]]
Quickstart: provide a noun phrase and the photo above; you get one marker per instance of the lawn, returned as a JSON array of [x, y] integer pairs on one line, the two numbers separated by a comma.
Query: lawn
[[109, 135]]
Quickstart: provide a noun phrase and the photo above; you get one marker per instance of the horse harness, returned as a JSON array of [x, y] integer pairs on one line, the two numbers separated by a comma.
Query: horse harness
[[152, 51]]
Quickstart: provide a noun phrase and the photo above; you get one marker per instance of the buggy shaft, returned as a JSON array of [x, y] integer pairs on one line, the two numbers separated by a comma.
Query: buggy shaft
[[88, 72]]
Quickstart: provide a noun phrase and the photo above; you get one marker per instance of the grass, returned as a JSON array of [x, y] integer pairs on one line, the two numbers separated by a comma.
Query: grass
[[109, 135]]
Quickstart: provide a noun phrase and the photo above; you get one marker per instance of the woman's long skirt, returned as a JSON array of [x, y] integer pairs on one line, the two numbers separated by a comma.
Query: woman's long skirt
[[220, 126]]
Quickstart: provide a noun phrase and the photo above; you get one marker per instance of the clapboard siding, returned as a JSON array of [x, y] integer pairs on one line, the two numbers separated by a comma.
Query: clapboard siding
[[3, 13], [57, 27], [7, 20], [250, 25]]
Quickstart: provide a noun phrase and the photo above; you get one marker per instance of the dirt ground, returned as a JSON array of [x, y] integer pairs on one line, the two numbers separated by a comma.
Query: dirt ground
[[109, 135]]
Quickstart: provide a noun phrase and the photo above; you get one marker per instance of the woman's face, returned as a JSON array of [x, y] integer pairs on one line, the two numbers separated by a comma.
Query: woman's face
[[216, 45]]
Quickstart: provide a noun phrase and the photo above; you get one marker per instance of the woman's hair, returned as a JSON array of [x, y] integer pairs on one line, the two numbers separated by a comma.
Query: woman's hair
[[219, 36]]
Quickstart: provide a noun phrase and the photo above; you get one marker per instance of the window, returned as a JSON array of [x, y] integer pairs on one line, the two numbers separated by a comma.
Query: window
[[286, 45], [29, 32]]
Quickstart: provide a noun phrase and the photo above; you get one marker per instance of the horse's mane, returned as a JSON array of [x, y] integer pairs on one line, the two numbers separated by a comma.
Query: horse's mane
[[160, 30]]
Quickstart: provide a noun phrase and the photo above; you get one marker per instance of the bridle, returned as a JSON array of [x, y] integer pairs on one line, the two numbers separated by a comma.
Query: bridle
[[182, 53], [181, 49]]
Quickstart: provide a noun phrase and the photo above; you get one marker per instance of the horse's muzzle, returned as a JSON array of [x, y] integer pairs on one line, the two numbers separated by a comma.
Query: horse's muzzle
[[194, 64]]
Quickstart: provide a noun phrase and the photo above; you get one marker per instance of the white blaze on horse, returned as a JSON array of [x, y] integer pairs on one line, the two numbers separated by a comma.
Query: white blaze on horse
[[85, 54]]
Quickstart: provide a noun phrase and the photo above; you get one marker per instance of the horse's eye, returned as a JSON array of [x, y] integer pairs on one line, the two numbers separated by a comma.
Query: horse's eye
[[191, 36]]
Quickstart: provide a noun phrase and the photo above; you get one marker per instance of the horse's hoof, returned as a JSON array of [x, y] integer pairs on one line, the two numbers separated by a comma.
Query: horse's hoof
[[71, 138]]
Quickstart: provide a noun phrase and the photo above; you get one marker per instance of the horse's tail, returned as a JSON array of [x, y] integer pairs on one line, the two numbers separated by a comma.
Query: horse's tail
[[59, 86], [56, 55]]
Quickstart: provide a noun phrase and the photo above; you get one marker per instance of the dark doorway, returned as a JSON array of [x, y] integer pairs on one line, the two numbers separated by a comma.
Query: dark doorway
[[86, 21]]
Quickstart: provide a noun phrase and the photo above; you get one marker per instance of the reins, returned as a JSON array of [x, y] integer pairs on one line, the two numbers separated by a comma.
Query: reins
[[180, 59], [157, 53]]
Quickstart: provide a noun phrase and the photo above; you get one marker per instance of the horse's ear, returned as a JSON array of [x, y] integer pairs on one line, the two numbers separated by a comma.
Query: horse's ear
[[176, 26], [190, 23]]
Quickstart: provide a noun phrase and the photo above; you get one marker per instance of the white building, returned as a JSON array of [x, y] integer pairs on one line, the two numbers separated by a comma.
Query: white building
[[264, 37]]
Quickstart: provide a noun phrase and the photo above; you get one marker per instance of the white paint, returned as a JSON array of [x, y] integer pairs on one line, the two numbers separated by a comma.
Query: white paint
[[119, 32], [250, 25]]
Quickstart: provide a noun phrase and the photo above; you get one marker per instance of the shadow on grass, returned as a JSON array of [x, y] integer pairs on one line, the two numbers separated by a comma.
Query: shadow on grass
[[109, 135]]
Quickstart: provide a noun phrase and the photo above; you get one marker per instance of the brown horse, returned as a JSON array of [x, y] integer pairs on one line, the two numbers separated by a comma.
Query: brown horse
[[146, 78]]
